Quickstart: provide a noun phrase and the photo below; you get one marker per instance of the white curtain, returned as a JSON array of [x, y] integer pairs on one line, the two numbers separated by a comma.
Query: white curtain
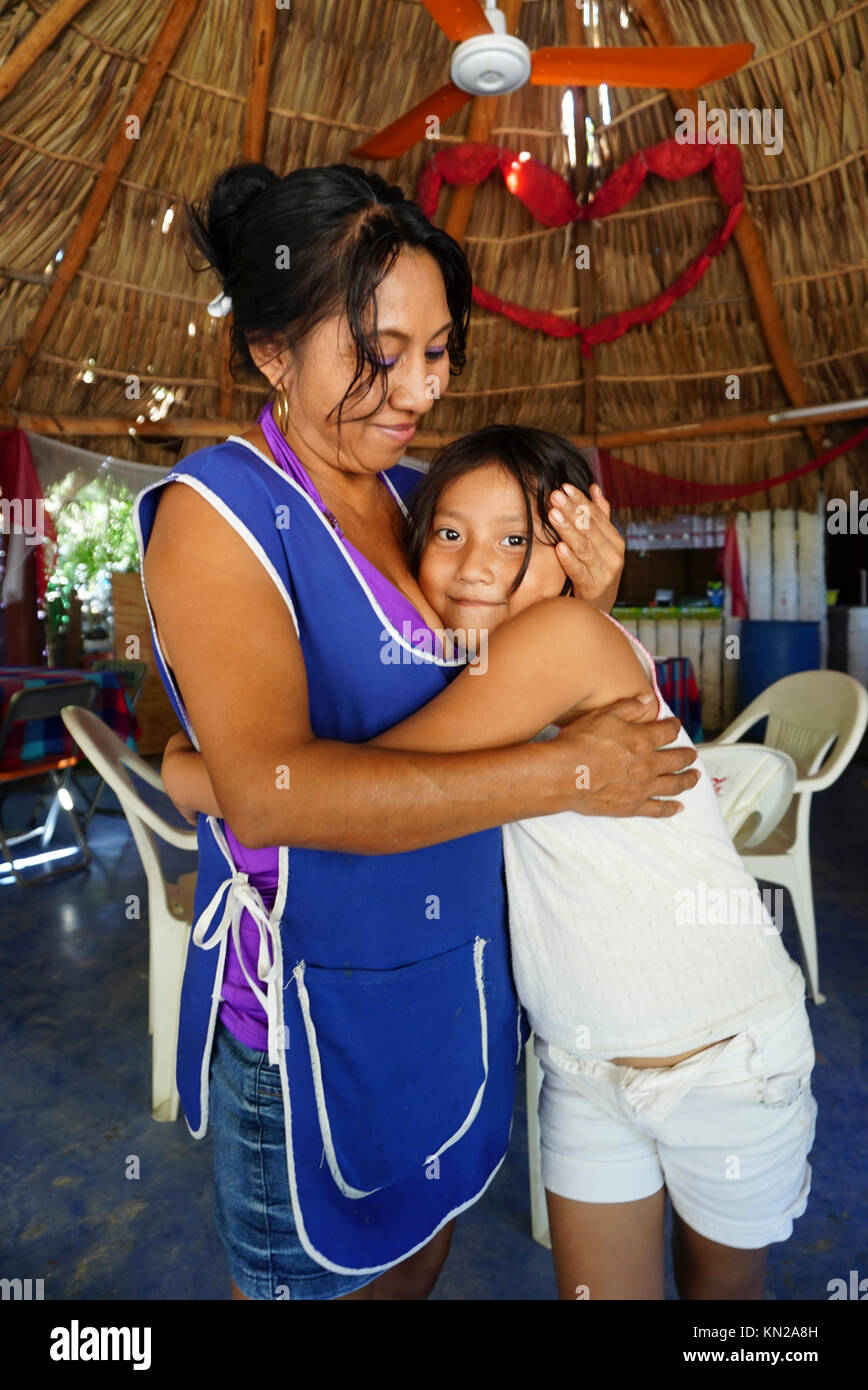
[[54, 460]]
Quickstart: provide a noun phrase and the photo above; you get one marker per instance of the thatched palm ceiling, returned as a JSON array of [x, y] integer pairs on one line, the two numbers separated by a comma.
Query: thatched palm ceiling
[[341, 71]]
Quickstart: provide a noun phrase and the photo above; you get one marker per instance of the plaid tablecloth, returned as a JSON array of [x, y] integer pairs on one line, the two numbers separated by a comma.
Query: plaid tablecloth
[[48, 738], [679, 689]]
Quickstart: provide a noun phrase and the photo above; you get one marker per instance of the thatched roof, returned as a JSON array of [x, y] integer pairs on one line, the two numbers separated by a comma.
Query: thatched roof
[[338, 73]]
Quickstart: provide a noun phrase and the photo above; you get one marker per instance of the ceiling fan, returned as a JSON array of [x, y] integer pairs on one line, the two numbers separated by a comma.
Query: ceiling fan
[[490, 62]]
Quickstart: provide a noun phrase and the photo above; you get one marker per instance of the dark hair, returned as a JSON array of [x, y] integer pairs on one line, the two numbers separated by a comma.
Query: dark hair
[[343, 229], [539, 462]]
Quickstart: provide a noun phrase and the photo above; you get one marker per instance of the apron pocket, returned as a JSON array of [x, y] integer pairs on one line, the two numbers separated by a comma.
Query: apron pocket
[[399, 1061]]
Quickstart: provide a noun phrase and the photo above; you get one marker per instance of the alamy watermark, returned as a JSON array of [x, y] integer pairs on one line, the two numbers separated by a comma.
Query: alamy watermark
[[76, 1343], [847, 517], [737, 126], [23, 516], [25, 1290], [730, 907], [419, 644]]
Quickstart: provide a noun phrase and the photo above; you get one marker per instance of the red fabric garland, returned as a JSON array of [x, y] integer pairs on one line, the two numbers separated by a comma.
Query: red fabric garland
[[625, 485], [549, 199]]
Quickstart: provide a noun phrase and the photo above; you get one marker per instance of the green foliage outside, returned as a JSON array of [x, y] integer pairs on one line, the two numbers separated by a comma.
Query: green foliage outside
[[95, 536]]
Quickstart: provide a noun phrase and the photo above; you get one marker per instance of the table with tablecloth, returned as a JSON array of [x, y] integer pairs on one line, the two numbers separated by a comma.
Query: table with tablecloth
[[40, 739]]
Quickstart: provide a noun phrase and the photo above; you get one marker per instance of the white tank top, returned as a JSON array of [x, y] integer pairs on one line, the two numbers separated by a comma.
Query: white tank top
[[634, 937]]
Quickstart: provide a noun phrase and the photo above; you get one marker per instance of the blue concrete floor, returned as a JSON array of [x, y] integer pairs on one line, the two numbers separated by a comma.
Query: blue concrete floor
[[75, 1098]]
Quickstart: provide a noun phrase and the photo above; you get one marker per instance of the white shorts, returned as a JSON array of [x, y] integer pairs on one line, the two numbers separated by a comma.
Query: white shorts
[[728, 1131]]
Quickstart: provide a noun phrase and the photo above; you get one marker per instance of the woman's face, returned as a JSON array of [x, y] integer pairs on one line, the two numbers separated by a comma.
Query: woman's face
[[475, 550], [414, 323]]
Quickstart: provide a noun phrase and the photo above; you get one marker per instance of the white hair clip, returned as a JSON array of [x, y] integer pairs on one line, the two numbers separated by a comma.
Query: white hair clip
[[220, 306]]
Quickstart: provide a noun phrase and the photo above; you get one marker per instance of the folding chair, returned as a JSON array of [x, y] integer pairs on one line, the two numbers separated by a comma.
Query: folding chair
[[44, 702], [133, 674]]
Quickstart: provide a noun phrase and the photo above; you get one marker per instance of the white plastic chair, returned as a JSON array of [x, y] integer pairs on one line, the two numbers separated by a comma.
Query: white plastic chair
[[754, 787], [170, 905], [807, 713]]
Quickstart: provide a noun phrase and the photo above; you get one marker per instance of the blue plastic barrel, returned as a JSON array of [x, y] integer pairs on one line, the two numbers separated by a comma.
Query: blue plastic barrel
[[770, 650]]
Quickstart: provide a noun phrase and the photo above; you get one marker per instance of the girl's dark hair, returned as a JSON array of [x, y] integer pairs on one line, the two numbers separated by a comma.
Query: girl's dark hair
[[539, 462], [339, 230]]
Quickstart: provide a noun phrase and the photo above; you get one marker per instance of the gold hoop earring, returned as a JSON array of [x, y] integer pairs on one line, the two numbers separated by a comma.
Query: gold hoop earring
[[281, 411]]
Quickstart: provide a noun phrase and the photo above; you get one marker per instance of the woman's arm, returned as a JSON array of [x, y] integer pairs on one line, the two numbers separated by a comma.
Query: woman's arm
[[239, 666], [559, 655]]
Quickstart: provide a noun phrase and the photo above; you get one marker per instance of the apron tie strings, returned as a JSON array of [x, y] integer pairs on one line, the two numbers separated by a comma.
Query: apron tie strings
[[241, 895]]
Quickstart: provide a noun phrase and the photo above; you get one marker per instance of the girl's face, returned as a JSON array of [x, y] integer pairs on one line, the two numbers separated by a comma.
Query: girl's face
[[475, 550]]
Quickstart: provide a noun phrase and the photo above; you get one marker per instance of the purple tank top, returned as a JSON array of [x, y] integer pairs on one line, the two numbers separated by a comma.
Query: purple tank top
[[240, 1010]]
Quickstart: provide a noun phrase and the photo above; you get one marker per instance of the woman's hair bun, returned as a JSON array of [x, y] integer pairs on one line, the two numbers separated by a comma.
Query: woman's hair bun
[[216, 227]]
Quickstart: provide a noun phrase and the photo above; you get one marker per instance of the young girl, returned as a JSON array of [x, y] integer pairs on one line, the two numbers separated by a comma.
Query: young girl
[[675, 1047]]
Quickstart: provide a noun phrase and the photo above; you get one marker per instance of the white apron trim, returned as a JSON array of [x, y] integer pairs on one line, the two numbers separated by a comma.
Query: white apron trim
[[299, 1218], [479, 946], [420, 656], [241, 530], [346, 1188], [204, 1106]]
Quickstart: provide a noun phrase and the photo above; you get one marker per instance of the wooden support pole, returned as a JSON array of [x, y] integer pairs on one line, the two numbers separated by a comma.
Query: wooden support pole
[[259, 78], [747, 239], [575, 38], [80, 426], [253, 146], [35, 41], [167, 41]]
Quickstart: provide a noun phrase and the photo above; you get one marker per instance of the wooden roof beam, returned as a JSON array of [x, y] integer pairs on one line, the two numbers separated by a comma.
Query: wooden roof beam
[[255, 117], [77, 426], [746, 236], [35, 42], [170, 35]]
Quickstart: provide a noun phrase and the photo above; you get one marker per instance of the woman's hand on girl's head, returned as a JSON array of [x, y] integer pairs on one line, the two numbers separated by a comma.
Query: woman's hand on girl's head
[[591, 550]]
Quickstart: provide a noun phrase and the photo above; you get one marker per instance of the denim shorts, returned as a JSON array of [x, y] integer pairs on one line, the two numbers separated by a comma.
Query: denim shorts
[[251, 1187], [727, 1131]]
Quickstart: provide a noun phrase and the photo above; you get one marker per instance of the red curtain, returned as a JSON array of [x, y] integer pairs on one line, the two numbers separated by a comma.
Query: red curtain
[[19, 484]]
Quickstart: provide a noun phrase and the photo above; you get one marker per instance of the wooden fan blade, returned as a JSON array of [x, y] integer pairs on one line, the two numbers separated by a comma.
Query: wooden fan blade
[[459, 19], [394, 139], [637, 67]]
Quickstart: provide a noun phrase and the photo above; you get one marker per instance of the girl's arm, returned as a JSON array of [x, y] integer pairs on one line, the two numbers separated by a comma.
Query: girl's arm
[[560, 655], [185, 777]]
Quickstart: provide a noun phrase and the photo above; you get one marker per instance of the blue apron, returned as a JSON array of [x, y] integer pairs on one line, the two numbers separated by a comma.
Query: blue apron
[[386, 979]]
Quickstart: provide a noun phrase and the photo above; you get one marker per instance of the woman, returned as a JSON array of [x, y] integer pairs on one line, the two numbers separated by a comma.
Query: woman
[[379, 1104]]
